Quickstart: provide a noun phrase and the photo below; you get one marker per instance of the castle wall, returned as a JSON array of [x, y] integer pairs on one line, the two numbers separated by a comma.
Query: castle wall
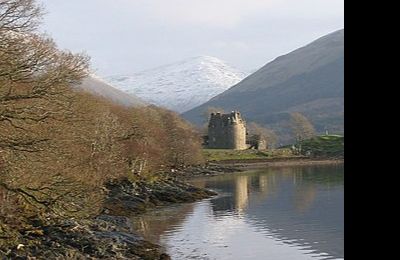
[[227, 131], [238, 137]]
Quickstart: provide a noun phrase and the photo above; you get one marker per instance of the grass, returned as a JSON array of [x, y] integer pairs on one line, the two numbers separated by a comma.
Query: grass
[[319, 146], [324, 146], [226, 154]]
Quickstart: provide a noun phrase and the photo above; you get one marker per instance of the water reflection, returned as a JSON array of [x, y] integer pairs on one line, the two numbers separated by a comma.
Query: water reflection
[[241, 197], [161, 220], [287, 213], [304, 198]]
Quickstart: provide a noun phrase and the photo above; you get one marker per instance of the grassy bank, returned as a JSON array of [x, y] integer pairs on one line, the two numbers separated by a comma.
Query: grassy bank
[[319, 147], [218, 155]]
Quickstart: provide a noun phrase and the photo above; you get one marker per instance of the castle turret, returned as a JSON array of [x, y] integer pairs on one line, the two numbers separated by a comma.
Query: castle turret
[[227, 131]]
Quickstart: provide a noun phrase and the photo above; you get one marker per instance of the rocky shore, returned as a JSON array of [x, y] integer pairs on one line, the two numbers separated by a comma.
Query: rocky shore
[[110, 234], [83, 239], [127, 198]]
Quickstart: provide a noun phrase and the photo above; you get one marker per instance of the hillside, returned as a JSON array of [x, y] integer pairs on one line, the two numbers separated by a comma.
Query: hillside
[[182, 85], [99, 87], [309, 80]]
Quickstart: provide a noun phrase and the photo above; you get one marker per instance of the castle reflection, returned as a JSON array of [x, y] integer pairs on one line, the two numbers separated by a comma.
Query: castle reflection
[[287, 199], [296, 204], [241, 197], [301, 183]]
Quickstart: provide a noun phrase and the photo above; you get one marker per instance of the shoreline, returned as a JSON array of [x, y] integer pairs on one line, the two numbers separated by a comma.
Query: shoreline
[[235, 166], [278, 162], [110, 234]]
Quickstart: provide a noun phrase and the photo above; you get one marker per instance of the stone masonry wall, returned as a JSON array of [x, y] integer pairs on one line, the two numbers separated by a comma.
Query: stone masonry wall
[[227, 131]]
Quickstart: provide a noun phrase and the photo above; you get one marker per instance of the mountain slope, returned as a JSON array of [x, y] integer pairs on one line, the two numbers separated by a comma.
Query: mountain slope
[[309, 80], [182, 85], [97, 86]]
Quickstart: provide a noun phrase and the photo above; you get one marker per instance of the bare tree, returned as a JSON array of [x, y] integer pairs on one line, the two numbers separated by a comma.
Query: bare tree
[[257, 131], [19, 15], [34, 75], [183, 142], [35, 94], [301, 126]]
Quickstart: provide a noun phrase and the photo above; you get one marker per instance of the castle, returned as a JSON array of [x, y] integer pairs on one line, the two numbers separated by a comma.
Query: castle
[[227, 131]]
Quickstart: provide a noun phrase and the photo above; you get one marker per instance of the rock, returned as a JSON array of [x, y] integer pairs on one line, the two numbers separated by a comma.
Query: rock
[[122, 222], [165, 257], [126, 198], [86, 239]]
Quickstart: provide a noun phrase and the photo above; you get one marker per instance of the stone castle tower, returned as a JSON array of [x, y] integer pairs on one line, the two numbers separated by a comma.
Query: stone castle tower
[[227, 131]]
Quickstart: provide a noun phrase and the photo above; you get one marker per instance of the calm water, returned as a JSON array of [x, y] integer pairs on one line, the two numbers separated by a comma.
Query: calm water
[[288, 213]]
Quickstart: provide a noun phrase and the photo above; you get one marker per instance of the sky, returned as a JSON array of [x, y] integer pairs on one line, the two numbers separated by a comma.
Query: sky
[[128, 36]]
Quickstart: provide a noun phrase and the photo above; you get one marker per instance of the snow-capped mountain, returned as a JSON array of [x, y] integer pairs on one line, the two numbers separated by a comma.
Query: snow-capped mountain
[[180, 86]]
